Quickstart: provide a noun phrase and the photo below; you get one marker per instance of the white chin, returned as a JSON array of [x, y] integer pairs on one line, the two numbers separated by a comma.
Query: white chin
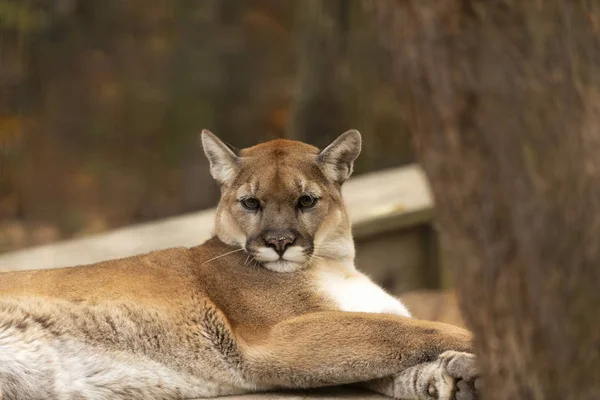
[[282, 266]]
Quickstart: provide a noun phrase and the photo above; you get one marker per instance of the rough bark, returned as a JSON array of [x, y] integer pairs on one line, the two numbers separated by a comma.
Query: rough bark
[[506, 117]]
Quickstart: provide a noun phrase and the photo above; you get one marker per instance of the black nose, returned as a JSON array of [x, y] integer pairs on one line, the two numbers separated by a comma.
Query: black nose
[[280, 242]]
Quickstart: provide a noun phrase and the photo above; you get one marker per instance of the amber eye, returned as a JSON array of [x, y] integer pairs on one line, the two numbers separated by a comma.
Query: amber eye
[[307, 201], [250, 203]]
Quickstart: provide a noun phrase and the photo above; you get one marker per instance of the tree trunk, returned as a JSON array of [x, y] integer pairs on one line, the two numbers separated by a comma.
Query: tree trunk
[[505, 102]]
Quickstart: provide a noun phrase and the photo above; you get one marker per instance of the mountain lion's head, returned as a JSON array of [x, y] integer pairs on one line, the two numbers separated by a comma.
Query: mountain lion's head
[[281, 201]]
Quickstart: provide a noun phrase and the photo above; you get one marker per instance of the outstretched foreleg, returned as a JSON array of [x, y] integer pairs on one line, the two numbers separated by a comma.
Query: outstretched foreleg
[[333, 348]]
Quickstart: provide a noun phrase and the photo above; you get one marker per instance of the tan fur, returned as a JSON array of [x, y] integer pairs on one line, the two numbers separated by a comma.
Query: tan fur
[[210, 320]]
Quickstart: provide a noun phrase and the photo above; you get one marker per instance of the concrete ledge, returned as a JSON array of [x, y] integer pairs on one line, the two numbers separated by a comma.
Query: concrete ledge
[[378, 202]]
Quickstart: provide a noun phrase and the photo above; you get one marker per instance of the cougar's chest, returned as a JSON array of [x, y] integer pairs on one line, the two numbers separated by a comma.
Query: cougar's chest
[[350, 290], [251, 295]]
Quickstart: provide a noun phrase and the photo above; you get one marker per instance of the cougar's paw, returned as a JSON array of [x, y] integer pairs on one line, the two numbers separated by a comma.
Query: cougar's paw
[[461, 369], [459, 365], [437, 385], [452, 376]]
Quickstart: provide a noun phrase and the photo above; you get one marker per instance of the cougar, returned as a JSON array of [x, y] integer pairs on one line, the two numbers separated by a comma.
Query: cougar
[[272, 301]]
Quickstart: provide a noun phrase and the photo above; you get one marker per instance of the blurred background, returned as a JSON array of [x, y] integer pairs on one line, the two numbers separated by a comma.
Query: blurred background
[[102, 102]]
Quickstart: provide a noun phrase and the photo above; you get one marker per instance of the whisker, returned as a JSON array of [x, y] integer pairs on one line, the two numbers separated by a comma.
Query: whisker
[[222, 255], [314, 258], [313, 255], [326, 251], [325, 247], [247, 258]]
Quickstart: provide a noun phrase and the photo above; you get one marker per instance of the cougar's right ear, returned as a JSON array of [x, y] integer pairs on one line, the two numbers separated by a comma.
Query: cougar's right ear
[[337, 159], [223, 161]]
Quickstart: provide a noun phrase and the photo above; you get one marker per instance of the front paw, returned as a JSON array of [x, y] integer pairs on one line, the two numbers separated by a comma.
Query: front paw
[[452, 376], [459, 365], [460, 370]]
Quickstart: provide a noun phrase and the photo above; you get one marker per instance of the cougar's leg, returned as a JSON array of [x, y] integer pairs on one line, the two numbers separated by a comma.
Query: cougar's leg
[[331, 348]]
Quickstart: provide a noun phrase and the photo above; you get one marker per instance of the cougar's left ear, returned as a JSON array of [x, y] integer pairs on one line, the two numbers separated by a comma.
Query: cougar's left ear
[[337, 159], [223, 161]]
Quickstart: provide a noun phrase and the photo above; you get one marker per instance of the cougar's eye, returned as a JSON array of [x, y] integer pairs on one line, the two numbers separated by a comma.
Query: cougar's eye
[[250, 203], [307, 201]]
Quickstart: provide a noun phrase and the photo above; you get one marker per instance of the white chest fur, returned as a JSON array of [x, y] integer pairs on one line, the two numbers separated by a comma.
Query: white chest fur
[[355, 292]]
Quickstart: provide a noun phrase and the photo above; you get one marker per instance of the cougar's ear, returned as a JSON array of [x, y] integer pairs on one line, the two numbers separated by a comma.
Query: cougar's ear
[[337, 159], [222, 158]]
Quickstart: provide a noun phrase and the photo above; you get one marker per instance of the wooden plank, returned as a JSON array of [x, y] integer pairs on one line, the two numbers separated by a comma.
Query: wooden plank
[[383, 201], [388, 200]]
